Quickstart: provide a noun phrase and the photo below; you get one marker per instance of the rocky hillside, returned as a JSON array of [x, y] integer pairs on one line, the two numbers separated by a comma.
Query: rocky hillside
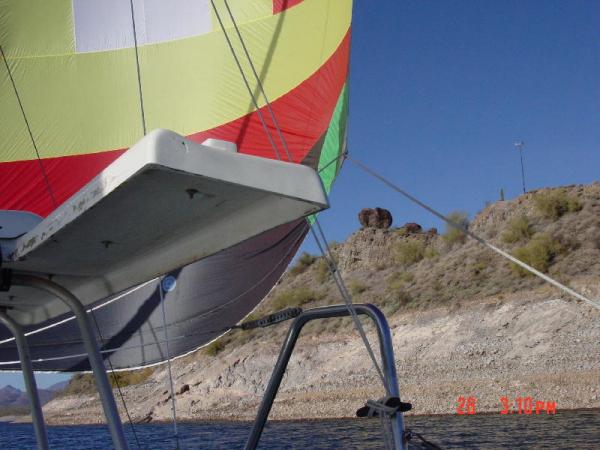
[[465, 323]]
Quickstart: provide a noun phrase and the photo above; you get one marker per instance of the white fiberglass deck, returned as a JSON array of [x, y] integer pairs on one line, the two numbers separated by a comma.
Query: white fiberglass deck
[[164, 203]]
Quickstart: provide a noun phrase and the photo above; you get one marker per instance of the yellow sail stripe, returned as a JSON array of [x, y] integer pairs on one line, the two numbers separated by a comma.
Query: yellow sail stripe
[[88, 102]]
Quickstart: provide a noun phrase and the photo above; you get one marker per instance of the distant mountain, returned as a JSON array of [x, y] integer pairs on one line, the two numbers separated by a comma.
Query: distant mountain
[[12, 397]]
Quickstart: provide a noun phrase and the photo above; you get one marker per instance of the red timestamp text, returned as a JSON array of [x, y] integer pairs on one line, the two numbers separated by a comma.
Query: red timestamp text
[[518, 405], [527, 405]]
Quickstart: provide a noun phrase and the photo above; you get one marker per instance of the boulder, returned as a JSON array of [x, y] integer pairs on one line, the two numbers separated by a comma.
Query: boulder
[[412, 228], [375, 218], [432, 232]]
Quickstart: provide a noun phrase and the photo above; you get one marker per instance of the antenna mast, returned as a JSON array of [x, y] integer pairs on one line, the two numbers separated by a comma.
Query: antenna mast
[[520, 145]]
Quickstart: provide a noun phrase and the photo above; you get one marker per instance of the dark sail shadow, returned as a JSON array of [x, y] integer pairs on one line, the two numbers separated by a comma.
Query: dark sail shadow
[[133, 326]]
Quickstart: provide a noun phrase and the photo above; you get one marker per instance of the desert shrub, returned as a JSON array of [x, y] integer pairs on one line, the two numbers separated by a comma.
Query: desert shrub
[[518, 229], [477, 268], [357, 287], [409, 251], [398, 280], [394, 282], [396, 300], [130, 377], [431, 252], [453, 235], [80, 383], [538, 253], [293, 298], [215, 347], [304, 262], [553, 204], [401, 231], [380, 266], [323, 272], [83, 383], [390, 308]]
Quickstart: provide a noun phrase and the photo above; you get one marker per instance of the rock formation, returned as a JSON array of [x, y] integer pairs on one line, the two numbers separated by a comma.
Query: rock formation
[[412, 228], [375, 218]]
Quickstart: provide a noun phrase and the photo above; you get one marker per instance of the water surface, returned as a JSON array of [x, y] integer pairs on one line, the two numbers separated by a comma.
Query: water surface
[[565, 430]]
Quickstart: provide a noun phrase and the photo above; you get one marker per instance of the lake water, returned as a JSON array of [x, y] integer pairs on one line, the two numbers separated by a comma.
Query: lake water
[[565, 430]]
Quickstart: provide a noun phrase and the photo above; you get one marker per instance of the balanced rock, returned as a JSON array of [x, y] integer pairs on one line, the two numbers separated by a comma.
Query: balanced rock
[[412, 228], [375, 218]]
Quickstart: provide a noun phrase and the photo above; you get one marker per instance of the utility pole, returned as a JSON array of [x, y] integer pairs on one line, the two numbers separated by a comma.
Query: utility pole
[[520, 145]]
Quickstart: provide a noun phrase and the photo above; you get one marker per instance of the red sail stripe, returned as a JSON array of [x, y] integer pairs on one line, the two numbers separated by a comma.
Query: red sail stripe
[[303, 115], [282, 5]]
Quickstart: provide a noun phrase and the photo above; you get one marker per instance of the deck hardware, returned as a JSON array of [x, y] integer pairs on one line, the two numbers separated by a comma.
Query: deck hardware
[[191, 192]]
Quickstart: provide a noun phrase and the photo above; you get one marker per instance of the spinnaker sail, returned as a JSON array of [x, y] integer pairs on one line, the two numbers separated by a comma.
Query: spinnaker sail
[[81, 82]]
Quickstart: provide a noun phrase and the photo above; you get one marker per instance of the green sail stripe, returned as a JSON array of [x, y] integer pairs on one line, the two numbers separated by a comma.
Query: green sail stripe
[[335, 141]]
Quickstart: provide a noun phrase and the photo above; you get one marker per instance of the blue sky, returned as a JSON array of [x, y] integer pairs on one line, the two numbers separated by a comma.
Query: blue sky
[[441, 90]]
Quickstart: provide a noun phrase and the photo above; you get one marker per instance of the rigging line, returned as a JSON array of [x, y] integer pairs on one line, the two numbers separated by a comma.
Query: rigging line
[[477, 238], [334, 159], [335, 274], [137, 65], [237, 61], [37, 153], [333, 269], [171, 384], [112, 371], [332, 265], [260, 85]]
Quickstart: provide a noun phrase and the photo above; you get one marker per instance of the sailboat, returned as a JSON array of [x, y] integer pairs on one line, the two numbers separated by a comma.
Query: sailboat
[[160, 165]]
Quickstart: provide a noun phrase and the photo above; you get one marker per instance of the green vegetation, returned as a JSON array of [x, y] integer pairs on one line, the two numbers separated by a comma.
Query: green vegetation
[[431, 252], [215, 347], [396, 300], [555, 203], [453, 235], [304, 262], [323, 272], [538, 253], [130, 377], [409, 252], [80, 383], [518, 229], [398, 280], [357, 287], [83, 383], [401, 231], [477, 268], [293, 298]]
